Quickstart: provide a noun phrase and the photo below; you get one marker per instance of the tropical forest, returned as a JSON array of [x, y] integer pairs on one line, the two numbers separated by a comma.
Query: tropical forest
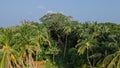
[[58, 41]]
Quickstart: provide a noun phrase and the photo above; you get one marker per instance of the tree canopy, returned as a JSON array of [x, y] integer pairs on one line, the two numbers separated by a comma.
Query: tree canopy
[[61, 42]]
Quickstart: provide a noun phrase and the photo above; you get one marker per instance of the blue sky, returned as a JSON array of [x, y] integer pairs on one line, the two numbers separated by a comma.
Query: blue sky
[[12, 12]]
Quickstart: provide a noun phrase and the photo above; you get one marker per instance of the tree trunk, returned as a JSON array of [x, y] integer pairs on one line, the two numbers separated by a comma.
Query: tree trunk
[[8, 63], [65, 47], [53, 58], [93, 60], [31, 62], [88, 59], [60, 41]]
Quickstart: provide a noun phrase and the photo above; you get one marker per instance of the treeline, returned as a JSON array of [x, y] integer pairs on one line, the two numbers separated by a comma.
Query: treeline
[[63, 42]]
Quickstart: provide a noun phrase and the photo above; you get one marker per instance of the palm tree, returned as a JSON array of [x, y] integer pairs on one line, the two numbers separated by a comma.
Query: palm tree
[[87, 41], [53, 50], [112, 60], [8, 53], [34, 36], [67, 30], [85, 46]]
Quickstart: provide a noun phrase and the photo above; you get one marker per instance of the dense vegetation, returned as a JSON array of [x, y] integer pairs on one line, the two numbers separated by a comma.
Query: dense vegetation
[[61, 42]]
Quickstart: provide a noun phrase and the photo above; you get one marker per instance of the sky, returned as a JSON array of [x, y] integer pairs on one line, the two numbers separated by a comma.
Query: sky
[[13, 12]]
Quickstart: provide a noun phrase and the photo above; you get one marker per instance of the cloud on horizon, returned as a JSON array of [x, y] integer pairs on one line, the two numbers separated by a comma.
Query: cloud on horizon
[[41, 7], [47, 10]]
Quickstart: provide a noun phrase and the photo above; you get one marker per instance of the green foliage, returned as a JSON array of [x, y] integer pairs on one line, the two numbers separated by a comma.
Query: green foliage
[[50, 64], [64, 42]]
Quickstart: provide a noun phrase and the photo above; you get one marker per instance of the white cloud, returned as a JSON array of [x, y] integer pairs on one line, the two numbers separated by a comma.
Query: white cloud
[[41, 7], [47, 10], [51, 11]]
